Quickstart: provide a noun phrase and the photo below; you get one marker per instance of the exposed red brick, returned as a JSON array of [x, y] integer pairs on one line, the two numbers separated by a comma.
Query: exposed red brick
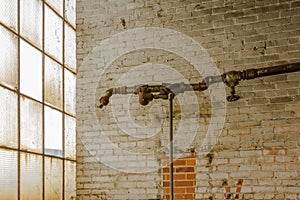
[[166, 183], [166, 170], [184, 196], [180, 162], [191, 176], [185, 169], [191, 162], [190, 190], [184, 179], [179, 190], [184, 183], [179, 176]]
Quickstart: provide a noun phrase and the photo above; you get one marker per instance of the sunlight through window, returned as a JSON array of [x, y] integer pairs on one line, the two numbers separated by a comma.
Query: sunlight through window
[[37, 99]]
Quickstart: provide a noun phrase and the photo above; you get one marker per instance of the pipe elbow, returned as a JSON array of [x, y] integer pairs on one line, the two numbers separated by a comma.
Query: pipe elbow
[[104, 100], [232, 78], [145, 96]]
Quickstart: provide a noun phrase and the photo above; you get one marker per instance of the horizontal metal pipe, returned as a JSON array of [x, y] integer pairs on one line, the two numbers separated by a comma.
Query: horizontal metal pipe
[[231, 79], [269, 71], [281, 69]]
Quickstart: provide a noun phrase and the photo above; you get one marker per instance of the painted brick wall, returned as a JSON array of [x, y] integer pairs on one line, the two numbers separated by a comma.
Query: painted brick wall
[[120, 149]]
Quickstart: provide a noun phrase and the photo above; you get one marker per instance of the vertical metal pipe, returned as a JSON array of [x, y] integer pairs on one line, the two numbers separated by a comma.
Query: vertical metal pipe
[[171, 97]]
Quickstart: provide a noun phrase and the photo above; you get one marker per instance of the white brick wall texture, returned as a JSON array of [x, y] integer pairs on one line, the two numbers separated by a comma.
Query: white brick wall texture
[[133, 42]]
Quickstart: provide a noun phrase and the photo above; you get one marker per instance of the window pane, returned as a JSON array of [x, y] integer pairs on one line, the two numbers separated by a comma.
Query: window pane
[[8, 14], [70, 180], [70, 94], [70, 137], [53, 83], [8, 118], [8, 174], [31, 125], [31, 177], [31, 20], [31, 71], [70, 11], [53, 132], [53, 34], [8, 58], [53, 179], [70, 46], [57, 5]]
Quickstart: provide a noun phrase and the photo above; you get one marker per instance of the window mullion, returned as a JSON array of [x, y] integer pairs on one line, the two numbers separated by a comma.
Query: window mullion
[[43, 96], [19, 99], [63, 101]]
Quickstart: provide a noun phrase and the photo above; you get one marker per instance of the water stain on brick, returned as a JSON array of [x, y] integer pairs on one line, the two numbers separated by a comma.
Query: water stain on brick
[[209, 159], [228, 192], [160, 13], [199, 7], [123, 22], [281, 99]]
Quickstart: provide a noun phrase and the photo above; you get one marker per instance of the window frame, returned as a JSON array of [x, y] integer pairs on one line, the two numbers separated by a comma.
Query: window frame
[[66, 161]]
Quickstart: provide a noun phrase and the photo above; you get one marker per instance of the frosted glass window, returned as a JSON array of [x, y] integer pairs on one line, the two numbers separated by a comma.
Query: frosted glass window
[[70, 93], [70, 137], [70, 180], [70, 11], [8, 118], [30, 71], [31, 177], [31, 125], [31, 20], [8, 14], [70, 48], [8, 174], [53, 132], [53, 179], [8, 58], [37, 99], [53, 34], [53, 83], [56, 4]]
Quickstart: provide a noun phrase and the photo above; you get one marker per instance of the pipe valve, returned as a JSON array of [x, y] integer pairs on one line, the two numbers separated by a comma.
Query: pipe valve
[[147, 93], [232, 79]]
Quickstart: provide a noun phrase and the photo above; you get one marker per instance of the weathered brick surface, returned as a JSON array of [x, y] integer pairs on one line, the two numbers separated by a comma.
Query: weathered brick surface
[[184, 180], [120, 148]]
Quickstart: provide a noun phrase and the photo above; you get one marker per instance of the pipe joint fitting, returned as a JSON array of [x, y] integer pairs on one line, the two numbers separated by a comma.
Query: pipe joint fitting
[[145, 95], [104, 100]]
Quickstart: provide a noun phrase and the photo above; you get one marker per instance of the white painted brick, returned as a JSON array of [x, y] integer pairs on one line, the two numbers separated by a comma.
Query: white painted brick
[[259, 141]]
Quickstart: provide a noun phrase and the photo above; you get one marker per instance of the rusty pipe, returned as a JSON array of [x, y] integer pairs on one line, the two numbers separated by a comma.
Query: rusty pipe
[[268, 71], [145, 96], [171, 97], [231, 79], [235, 76], [147, 93], [104, 100]]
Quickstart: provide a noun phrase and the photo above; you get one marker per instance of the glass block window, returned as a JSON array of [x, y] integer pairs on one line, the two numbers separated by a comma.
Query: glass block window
[[9, 174], [37, 99]]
